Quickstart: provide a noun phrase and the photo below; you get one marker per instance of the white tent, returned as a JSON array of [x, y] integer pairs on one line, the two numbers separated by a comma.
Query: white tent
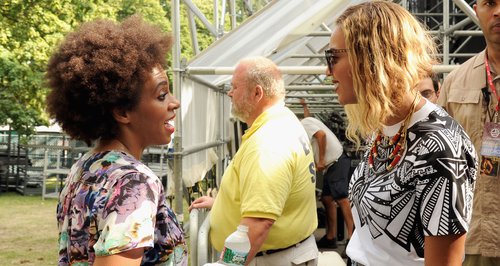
[[281, 29]]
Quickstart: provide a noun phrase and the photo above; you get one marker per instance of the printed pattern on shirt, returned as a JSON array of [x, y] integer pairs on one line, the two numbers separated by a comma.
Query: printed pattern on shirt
[[428, 194], [113, 203]]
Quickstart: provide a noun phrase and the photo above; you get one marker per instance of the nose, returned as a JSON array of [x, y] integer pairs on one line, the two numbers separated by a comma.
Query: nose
[[328, 72], [230, 92], [174, 103], [496, 11]]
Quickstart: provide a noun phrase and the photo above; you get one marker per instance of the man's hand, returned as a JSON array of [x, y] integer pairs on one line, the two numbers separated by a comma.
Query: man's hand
[[258, 229], [204, 202], [320, 165], [302, 101]]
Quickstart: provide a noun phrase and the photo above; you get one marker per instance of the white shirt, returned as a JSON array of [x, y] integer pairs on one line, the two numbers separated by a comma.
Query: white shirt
[[429, 193], [333, 148]]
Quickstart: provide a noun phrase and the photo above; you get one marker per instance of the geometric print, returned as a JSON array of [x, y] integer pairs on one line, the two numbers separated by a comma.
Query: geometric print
[[430, 191]]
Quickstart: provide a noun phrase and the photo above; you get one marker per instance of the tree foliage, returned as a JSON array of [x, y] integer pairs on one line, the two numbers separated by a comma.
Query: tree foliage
[[31, 29]]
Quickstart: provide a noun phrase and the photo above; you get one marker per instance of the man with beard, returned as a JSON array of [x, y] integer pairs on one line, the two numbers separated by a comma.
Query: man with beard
[[270, 184]]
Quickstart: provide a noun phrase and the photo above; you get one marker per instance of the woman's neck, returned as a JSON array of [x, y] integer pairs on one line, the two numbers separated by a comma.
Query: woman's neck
[[406, 106], [118, 145]]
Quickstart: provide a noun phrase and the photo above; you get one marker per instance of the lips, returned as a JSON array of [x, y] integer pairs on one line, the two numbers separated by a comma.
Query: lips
[[169, 125], [496, 26], [335, 85]]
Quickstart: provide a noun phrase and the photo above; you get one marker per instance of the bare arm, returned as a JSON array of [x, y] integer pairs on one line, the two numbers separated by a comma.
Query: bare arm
[[131, 257], [444, 250], [320, 136], [258, 229], [306, 109]]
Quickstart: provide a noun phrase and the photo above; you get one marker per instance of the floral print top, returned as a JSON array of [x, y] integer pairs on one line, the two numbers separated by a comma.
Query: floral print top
[[113, 203]]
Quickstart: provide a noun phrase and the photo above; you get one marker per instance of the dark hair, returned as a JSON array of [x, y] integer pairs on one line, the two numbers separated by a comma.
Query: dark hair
[[435, 81], [99, 68]]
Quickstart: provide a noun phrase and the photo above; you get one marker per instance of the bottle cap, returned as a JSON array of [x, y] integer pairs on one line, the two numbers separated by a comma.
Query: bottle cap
[[243, 228]]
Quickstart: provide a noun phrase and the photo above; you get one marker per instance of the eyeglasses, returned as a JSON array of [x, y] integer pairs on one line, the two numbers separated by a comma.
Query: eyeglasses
[[330, 56], [428, 93]]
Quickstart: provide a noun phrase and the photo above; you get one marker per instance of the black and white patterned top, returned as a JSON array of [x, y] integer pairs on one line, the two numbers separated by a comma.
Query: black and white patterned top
[[429, 192]]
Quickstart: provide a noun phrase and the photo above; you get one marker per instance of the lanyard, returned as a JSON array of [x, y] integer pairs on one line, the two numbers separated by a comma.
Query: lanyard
[[490, 80]]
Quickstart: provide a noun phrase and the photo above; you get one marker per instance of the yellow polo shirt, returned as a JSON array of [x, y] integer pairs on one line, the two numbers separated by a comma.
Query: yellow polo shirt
[[271, 176]]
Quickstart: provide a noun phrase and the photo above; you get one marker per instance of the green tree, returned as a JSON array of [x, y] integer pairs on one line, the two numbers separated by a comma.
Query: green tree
[[31, 29]]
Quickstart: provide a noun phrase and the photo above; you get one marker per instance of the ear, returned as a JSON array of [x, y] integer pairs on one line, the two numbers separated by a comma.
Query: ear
[[258, 92], [121, 116]]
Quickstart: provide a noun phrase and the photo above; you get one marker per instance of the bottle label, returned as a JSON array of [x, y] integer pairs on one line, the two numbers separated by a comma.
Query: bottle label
[[233, 257]]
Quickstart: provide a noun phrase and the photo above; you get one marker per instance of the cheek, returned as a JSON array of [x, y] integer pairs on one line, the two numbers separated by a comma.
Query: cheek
[[342, 72], [157, 111], [345, 76]]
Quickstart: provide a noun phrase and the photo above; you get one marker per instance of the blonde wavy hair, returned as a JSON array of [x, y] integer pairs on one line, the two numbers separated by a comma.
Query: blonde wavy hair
[[389, 53]]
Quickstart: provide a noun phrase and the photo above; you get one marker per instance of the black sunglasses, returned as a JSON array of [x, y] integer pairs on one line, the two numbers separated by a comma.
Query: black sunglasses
[[330, 56]]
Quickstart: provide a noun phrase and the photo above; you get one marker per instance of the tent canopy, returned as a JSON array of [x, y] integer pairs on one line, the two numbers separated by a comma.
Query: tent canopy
[[292, 33]]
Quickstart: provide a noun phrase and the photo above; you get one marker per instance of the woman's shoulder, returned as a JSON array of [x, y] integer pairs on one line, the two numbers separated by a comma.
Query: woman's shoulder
[[112, 166], [441, 132], [434, 118]]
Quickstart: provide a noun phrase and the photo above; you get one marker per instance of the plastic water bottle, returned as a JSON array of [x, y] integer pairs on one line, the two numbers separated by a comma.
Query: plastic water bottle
[[236, 247]]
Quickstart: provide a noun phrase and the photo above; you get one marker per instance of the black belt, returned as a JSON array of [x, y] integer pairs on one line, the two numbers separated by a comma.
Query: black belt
[[271, 251]]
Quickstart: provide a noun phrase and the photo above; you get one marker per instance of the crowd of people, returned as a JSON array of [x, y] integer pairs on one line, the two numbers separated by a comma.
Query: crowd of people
[[419, 195]]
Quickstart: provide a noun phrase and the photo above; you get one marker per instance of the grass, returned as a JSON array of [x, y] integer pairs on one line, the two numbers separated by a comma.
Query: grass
[[28, 230]]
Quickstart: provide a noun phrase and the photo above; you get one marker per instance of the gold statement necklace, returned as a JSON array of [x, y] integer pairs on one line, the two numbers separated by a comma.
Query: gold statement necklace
[[398, 141]]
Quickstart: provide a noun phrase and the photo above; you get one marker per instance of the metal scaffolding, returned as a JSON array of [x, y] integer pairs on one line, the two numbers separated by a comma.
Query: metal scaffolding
[[297, 47]]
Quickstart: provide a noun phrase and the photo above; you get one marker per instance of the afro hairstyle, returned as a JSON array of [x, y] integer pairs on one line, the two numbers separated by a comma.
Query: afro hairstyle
[[99, 68]]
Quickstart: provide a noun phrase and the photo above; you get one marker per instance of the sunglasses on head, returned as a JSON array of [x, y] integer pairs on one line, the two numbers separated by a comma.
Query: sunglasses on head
[[330, 56]]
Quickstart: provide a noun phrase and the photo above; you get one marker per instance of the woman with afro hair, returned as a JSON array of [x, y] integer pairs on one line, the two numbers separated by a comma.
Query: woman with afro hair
[[109, 88]]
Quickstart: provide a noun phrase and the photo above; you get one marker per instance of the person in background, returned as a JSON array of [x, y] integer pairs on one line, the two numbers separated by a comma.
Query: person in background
[[330, 160], [430, 88], [470, 95], [109, 87], [412, 192], [270, 183]]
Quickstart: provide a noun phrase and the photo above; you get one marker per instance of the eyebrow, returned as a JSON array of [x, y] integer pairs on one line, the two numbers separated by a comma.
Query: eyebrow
[[164, 82]]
